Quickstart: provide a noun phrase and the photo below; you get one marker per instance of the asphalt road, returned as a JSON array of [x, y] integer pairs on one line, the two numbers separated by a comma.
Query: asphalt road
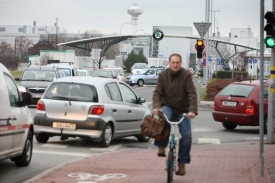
[[56, 152]]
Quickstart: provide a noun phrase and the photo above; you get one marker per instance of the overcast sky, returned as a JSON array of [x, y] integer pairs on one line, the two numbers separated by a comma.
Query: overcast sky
[[107, 16]]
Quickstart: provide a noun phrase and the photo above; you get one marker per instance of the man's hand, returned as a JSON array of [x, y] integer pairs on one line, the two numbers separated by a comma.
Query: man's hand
[[191, 115], [155, 111]]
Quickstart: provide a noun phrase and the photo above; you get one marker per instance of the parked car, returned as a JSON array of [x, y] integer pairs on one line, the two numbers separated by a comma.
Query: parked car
[[16, 124], [139, 68], [104, 74], [119, 72], [149, 77], [89, 107], [238, 104], [84, 72], [35, 80], [68, 67]]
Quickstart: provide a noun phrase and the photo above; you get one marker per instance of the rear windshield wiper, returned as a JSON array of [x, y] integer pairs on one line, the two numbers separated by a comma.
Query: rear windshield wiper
[[44, 80], [65, 98], [237, 95]]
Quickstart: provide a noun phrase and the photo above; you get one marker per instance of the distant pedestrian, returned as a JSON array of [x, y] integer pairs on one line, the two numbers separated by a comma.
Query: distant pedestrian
[[174, 95]]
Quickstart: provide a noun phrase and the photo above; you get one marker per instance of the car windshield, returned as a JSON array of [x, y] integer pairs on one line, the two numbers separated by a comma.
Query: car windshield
[[39, 75], [140, 66], [66, 71], [71, 92], [236, 90], [102, 73], [81, 73]]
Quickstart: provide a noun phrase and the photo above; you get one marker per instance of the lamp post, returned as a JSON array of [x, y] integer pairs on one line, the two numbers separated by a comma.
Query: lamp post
[[120, 34], [214, 11]]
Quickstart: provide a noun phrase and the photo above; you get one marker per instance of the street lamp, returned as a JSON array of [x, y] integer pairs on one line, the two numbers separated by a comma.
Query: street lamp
[[121, 41], [215, 20]]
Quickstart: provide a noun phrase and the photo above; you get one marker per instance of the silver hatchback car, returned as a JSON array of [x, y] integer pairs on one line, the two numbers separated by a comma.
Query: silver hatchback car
[[89, 107]]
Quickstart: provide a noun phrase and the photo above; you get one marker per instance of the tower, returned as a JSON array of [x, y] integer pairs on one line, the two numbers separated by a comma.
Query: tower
[[134, 11]]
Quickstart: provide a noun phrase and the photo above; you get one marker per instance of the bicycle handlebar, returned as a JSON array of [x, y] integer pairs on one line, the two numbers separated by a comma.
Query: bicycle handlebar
[[175, 122]]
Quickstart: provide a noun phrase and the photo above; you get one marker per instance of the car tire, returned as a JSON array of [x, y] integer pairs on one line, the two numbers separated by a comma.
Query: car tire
[[229, 126], [140, 82], [42, 138], [142, 138], [25, 158], [106, 137]]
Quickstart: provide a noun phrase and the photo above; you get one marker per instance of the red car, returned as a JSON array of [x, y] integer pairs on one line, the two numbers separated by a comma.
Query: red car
[[238, 104]]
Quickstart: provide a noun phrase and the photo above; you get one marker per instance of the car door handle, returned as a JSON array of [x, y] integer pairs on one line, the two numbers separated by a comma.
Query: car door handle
[[129, 111], [114, 110]]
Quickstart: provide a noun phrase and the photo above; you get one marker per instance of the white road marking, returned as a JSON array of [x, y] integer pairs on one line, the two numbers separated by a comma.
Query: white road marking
[[61, 146], [208, 141], [206, 129], [61, 153]]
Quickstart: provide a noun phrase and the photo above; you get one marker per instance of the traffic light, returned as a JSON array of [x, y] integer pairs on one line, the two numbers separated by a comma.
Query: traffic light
[[270, 29], [199, 47]]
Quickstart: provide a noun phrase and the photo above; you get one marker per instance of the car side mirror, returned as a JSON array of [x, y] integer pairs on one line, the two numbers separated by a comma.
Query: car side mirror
[[27, 99], [17, 79], [141, 100]]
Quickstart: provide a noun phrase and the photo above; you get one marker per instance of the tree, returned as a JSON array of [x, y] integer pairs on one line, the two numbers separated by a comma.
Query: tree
[[41, 45], [134, 58], [7, 56], [45, 58], [22, 44]]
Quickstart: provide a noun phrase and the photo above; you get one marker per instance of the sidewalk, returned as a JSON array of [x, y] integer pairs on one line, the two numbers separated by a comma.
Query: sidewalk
[[225, 163]]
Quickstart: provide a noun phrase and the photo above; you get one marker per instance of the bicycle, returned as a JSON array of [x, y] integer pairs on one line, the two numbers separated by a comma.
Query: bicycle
[[171, 158]]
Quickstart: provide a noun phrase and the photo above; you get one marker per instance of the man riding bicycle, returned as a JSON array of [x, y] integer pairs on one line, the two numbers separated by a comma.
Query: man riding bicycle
[[174, 95]]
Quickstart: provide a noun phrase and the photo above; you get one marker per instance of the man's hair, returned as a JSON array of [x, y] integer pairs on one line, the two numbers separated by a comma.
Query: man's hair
[[175, 54]]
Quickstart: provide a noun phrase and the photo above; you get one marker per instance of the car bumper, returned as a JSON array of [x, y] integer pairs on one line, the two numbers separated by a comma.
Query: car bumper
[[238, 119], [131, 82], [91, 127]]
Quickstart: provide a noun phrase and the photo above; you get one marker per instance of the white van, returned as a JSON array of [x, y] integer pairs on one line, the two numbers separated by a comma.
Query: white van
[[16, 123], [68, 68]]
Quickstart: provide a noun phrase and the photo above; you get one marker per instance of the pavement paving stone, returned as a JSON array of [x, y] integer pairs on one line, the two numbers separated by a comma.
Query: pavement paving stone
[[236, 163]]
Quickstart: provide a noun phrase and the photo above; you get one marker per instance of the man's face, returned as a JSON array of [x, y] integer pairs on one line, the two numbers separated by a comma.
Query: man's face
[[175, 63]]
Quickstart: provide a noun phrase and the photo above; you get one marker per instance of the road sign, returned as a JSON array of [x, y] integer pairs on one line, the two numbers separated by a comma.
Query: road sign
[[250, 60], [254, 61], [202, 28], [218, 61], [210, 58]]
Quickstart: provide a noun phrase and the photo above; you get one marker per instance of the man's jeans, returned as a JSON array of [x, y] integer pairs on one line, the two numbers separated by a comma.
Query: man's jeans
[[186, 137]]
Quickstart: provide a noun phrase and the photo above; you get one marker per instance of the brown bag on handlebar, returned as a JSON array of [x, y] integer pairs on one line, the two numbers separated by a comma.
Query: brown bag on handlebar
[[155, 128]]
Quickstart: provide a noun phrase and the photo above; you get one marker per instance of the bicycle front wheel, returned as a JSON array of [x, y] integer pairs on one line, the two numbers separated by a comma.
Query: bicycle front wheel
[[170, 166]]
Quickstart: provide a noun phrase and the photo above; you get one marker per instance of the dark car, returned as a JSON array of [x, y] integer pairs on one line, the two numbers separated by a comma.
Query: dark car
[[36, 79], [238, 104]]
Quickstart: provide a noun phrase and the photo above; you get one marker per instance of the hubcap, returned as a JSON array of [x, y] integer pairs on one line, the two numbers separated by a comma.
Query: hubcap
[[140, 82], [108, 134]]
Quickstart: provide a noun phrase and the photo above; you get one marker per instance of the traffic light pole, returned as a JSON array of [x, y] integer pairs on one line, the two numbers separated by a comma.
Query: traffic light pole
[[207, 9], [271, 95]]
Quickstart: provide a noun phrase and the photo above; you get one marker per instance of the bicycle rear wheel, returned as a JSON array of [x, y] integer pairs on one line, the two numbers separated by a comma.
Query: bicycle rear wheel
[[170, 166]]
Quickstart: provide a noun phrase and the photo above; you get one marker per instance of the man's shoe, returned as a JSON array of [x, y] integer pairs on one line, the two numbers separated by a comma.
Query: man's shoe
[[181, 171], [161, 152]]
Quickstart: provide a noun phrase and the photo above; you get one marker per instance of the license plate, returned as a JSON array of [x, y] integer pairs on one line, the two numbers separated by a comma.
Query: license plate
[[229, 103], [71, 126]]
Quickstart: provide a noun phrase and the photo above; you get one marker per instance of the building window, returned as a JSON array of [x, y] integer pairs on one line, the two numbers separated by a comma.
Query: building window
[[2, 29], [20, 30]]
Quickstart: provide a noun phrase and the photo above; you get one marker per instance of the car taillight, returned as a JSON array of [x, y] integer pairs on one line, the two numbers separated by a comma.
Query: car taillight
[[40, 106], [96, 109], [250, 108]]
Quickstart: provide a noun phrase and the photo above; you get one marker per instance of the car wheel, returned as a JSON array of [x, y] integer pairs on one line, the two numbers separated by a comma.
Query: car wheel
[[140, 82], [107, 135], [25, 158], [229, 126], [42, 138], [142, 138]]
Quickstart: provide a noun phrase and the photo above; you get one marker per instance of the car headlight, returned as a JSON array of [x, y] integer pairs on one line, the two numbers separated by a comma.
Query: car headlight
[[22, 88]]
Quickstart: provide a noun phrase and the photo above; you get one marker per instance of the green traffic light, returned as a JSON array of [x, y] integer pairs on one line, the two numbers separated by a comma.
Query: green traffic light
[[270, 42]]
